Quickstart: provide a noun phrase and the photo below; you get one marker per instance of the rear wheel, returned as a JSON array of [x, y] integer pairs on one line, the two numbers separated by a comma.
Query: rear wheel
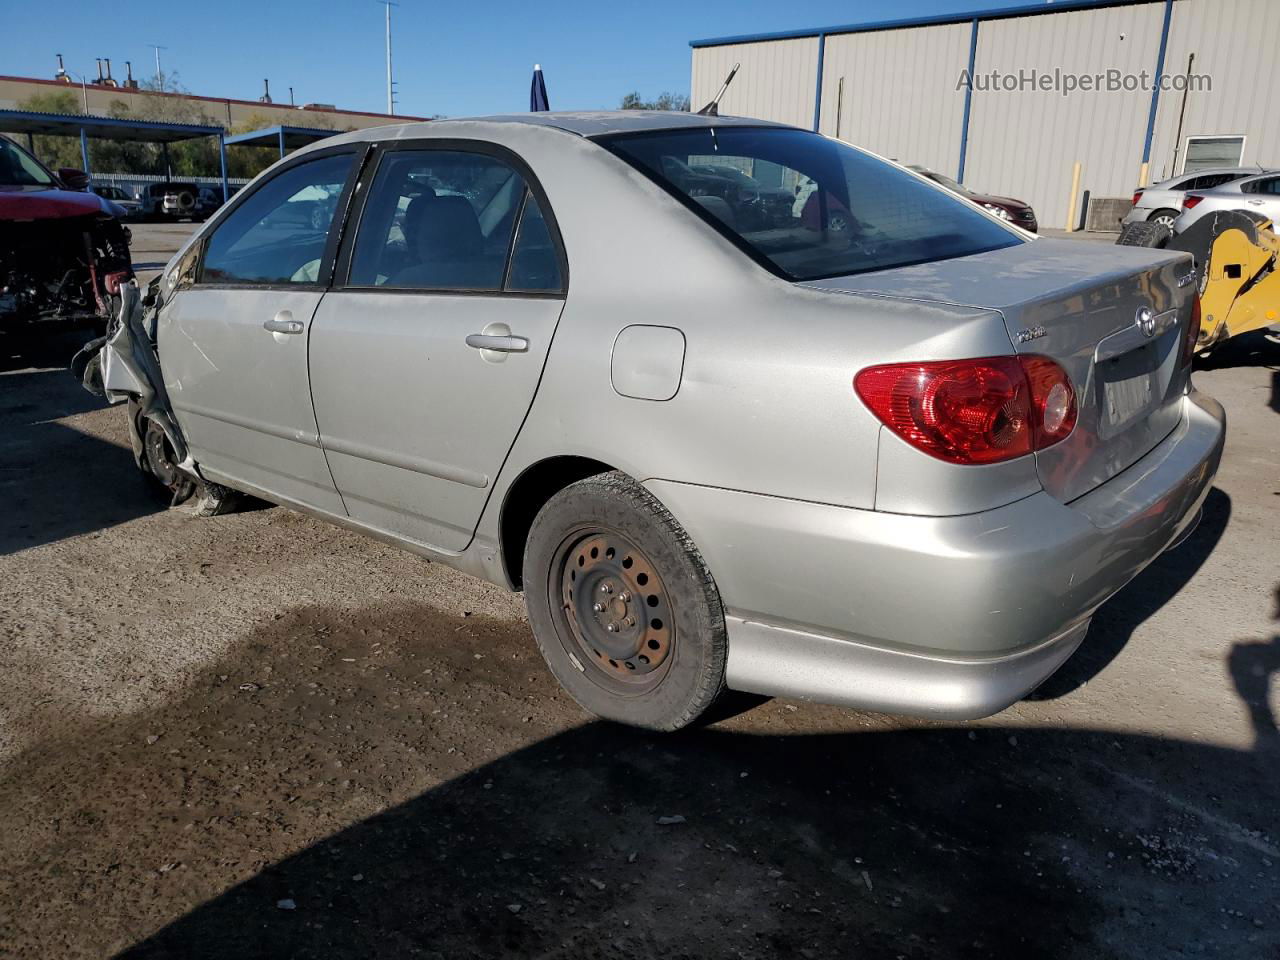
[[1164, 218], [622, 605]]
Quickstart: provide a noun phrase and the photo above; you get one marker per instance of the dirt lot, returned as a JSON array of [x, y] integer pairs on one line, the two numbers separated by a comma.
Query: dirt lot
[[258, 736]]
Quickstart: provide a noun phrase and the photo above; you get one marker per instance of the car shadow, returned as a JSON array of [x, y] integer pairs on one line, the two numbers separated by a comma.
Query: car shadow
[[1254, 666], [57, 481], [302, 798], [1116, 620], [1258, 348]]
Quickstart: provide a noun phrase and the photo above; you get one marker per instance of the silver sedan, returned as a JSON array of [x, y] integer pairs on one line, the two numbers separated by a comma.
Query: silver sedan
[[870, 445], [1257, 195]]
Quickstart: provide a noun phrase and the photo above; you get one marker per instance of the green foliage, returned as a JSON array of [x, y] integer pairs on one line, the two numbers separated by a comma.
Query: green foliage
[[665, 101]]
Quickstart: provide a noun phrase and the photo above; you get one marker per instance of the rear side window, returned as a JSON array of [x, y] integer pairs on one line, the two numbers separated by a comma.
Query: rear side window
[[278, 235], [437, 220], [535, 263], [814, 207]]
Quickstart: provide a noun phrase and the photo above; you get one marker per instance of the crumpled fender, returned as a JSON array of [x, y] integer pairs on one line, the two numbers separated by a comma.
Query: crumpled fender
[[131, 371]]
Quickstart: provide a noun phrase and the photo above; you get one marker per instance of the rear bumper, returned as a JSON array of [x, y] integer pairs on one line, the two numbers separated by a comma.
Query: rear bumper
[[943, 616]]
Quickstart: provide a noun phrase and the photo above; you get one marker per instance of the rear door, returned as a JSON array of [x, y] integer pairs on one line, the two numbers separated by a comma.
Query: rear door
[[1263, 196], [426, 355], [233, 345]]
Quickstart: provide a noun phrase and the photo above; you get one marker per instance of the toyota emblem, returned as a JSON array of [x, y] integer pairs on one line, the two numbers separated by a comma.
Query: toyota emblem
[[1147, 321]]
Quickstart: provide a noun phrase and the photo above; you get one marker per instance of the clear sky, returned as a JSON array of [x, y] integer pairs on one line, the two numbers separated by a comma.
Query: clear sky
[[452, 57]]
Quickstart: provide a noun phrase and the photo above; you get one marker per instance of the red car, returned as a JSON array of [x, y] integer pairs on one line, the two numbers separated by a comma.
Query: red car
[[63, 251], [1017, 212]]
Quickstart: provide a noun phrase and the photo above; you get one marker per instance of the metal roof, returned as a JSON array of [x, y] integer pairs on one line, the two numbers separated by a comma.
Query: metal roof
[[294, 137], [870, 26], [103, 128]]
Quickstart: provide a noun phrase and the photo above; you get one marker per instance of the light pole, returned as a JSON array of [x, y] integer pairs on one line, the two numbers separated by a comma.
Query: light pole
[[391, 100], [159, 75]]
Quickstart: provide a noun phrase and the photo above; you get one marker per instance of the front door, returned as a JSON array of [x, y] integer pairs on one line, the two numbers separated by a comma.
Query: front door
[[424, 363], [233, 345]]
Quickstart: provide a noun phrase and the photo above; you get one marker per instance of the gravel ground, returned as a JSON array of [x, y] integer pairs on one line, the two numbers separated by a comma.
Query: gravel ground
[[259, 736]]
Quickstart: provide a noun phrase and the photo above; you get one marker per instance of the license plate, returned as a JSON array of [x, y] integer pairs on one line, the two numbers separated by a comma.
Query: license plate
[[1127, 400]]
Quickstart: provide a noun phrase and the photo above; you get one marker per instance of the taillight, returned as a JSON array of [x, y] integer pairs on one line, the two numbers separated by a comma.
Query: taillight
[[1136, 197], [1190, 200], [1193, 332], [972, 411]]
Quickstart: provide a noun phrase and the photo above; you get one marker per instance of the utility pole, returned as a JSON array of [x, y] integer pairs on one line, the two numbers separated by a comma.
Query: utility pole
[[391, 97], [159, 75]]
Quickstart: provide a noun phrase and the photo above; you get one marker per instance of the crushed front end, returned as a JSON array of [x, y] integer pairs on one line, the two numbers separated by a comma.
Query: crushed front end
[[63, 271]]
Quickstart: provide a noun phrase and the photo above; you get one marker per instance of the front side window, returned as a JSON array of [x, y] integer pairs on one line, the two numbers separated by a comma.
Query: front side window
[[1269, 185], [437, 220], [278, 235], [820, 208], [19, 169]]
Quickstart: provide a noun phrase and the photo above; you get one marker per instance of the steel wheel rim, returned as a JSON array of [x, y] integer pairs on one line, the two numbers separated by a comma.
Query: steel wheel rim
[[601, 579]]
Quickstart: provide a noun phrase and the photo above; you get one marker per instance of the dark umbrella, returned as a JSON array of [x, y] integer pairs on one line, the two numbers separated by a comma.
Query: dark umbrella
[[538, 92]]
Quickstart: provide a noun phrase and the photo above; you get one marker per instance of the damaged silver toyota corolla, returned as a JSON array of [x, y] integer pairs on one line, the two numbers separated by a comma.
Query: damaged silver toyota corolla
[[869, 445]]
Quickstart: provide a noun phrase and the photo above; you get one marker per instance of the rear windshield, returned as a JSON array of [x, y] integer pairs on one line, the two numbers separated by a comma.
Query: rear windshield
[[813, 207]]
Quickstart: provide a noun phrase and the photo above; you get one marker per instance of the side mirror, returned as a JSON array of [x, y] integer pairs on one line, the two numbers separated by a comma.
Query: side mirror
[[73, 179]]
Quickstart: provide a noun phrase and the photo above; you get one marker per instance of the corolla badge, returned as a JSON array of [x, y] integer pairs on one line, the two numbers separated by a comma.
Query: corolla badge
[[1186, 280], [1146, 321], [1028, 334]]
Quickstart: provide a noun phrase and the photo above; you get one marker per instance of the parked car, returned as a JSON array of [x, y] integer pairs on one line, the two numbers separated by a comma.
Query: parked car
[[167, 201], [209, 201], [63, 250], [898, 465], [1162, 202], [127, 205], [1017, 212], [1258, 194]]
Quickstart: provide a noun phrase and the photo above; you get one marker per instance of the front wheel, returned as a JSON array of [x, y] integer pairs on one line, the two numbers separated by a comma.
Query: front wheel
[[622, 605]]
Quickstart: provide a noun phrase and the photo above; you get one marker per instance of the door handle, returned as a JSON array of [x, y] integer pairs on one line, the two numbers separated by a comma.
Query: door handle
[[499, 344], [283, 322]]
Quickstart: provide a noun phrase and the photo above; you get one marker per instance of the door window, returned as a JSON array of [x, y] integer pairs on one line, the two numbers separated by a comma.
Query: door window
[[437, 220], [1269, 186], [535, 261], [278, 235]]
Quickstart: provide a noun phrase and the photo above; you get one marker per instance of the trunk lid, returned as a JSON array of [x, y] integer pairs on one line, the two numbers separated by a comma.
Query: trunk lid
[[1084, 305]]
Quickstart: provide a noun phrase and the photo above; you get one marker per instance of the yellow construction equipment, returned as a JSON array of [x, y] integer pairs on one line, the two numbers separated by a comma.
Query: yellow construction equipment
[[1236, 254]]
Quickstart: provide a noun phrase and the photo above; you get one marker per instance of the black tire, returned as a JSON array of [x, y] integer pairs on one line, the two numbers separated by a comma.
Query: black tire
[[1144, 234], [1164, 217], [664, 666]]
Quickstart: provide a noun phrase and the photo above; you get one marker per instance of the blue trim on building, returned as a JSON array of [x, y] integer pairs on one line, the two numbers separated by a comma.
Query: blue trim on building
[[817, 92], [968, 101], [999, 13], [1155, 87]]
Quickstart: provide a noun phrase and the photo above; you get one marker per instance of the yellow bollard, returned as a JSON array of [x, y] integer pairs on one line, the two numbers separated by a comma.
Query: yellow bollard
[[1075, 195]]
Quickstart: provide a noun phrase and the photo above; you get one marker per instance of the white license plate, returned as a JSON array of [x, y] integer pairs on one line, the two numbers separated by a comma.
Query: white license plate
[[1127, 400]]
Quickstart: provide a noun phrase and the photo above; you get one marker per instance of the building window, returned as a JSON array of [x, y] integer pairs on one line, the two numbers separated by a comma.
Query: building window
[[1202, 153]]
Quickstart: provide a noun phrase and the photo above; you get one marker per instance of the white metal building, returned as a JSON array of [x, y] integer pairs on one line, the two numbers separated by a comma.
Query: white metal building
[[922, 91]]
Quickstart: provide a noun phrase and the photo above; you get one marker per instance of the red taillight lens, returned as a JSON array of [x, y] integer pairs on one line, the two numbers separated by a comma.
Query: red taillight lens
[[1193, 333], [1136, 197], [972, 411], [1190, 200]]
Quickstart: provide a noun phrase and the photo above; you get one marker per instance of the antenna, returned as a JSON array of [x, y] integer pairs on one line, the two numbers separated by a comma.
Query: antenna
[[159, 75], [712, 109], [391, 93]]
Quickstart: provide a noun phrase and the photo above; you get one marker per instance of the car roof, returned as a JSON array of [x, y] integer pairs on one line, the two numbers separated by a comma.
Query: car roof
[[592, 123], [1210, 171]]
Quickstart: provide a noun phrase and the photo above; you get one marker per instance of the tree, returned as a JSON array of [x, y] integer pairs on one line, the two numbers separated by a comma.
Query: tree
[[665, 101]]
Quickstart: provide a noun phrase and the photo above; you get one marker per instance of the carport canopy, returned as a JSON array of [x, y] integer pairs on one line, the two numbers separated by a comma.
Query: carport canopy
[[281, 136], [34, 123]]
